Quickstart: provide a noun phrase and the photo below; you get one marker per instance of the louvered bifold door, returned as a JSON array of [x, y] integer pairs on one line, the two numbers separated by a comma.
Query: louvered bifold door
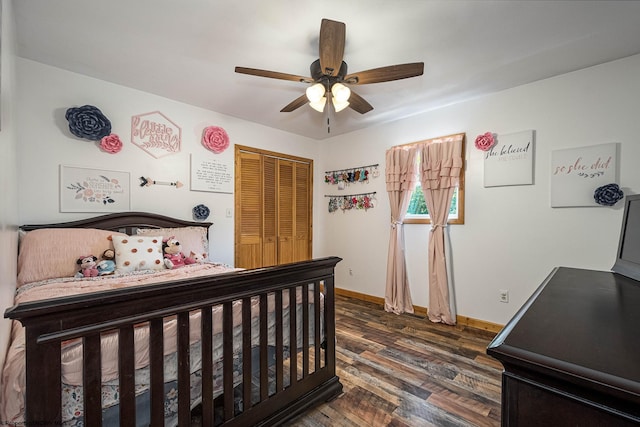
[[273, 208], [270, 211], [302, 232], [286, 212], [249, 209]]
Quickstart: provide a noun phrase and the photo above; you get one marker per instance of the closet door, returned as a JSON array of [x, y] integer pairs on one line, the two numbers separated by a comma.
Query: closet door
[[273, 208], [270, 212], [302, 222], [249, 211], [286, 212]]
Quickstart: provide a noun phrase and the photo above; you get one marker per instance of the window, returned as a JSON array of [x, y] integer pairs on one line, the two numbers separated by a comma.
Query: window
[[417, 212]]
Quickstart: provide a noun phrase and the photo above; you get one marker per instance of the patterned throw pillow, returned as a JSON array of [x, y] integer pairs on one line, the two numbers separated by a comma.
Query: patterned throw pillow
[[138, 253], [192, 239]]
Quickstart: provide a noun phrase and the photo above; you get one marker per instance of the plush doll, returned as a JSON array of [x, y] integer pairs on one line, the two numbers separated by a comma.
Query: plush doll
[[107, 264], [197, 258], [87, 265], [173, 256]]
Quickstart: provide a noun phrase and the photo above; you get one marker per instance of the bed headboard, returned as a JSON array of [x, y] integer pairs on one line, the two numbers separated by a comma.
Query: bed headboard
[[124, 222]]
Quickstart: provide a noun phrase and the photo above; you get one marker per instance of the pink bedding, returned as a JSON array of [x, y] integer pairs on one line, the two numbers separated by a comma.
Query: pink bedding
[[13, 374]]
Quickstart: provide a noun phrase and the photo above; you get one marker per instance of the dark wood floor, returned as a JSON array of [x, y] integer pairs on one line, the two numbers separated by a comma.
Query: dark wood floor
[[406, 371]]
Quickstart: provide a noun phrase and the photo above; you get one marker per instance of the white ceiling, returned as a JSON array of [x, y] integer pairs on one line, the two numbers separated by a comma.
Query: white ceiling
[[186, 50]]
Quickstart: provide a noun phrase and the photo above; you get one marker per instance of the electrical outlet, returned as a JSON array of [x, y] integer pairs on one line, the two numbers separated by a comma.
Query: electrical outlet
[[504, 295], [229, 213], [350, 272]]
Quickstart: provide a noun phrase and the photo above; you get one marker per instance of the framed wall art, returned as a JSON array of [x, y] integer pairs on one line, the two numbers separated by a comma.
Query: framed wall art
[[93, 190]]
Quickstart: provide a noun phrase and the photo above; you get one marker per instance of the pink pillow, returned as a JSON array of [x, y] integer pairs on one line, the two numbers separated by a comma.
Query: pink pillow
[[52, 252]]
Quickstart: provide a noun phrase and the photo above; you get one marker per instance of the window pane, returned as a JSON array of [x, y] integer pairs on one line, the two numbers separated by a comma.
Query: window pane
[[418, 206]]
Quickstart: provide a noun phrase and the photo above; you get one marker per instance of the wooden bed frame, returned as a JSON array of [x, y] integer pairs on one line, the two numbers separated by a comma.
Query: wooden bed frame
[[50, 322]]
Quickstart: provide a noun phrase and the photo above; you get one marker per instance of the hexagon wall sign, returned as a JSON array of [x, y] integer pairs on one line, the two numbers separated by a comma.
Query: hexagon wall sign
[[156, 134]]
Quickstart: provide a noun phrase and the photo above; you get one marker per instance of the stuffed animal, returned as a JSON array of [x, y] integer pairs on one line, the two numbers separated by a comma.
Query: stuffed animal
[[173, 256], [87, 265], [197, 258], [107, 265]]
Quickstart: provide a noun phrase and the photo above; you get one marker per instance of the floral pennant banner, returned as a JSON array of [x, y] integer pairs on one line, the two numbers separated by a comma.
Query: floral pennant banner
[[352, 201], [347, 176]]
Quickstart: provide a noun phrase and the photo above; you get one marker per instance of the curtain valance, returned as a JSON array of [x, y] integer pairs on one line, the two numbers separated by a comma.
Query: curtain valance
[[441, 162], [401, 168]]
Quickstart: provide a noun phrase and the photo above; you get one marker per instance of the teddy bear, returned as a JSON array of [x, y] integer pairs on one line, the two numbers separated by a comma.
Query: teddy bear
[[173, 256], [87, 265], [107, 264]]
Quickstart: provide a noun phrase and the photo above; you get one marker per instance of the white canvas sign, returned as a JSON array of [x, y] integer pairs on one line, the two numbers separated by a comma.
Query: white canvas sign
[[577, 172], [213, 174], [93, 190], [510, 160]]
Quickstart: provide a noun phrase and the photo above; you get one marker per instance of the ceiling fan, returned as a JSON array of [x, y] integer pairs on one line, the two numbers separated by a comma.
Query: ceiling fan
[[329, 78]]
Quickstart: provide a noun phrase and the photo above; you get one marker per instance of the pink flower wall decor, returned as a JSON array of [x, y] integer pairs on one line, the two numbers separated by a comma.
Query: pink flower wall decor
[[215, 139], [485, 141], [111, 143]]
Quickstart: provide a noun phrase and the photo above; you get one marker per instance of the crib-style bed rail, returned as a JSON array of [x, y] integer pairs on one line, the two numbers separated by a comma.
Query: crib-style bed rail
[[294, 362]]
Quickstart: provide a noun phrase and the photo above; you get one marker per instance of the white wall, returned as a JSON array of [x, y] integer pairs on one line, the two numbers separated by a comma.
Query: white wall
[[8, 175], [511, 238], [45, 143]]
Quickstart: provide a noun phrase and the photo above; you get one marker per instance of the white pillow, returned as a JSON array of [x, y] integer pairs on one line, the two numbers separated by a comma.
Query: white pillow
[[192, 239], [138, 253]]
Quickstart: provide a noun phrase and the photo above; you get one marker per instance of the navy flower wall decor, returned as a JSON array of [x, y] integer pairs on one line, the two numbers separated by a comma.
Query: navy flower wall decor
[[88, 122], [201, 212], [608, 195]]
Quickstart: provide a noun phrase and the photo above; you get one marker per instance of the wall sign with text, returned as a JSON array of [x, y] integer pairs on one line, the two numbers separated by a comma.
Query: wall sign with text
[[156, 134], [577, 172], [213, 174], [510, 160], [93, 190]]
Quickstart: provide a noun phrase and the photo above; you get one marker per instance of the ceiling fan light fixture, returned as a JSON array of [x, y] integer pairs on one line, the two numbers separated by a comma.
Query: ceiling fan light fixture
[[339, 105], [329, 75], [316, 92], [319, 104], [340, 93]]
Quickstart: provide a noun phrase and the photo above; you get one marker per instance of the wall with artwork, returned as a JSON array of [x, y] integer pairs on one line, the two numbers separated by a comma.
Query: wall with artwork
[[512, 236], [157, 155]]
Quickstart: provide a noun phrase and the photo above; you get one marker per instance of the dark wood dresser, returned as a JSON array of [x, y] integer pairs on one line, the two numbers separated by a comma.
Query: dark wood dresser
[[571, 354]]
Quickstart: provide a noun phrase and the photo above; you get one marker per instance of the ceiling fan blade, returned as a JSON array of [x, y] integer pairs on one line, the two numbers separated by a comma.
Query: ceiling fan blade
[[273, 75], [295, 104], [385, 74], [332, 38], [358, 103]]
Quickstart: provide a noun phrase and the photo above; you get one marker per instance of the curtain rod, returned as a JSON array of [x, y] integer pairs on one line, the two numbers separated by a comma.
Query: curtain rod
[[429, 139]]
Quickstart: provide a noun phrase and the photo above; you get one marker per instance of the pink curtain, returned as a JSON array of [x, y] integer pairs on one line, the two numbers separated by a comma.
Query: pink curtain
[[401, 168], [441, 162]]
